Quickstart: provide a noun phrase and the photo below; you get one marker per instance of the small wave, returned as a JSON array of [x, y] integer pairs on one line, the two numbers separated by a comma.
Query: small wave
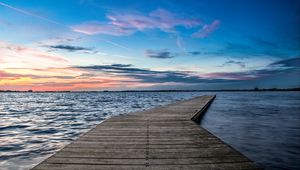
[[44, 131], [13, 127]]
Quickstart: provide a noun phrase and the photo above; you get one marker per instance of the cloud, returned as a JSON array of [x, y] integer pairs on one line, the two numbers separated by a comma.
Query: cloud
[[160, 54], [127, 23], [149, 76], [57, 23], [166, 20], [194, 52], [231, 62], [69, 48], [165, 54], [231, 75], [18, 56], [121, 65], [59, 40], [282, 66], [4, 74], [125, 76], [207, 29], [95, 27], [60, 79], [289, 63]]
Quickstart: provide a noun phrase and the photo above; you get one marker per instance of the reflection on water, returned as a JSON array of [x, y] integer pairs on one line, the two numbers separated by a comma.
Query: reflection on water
[[35, 125], [265, 126]]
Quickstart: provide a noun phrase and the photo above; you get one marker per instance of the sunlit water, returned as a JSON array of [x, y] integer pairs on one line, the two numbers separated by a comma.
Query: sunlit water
[[265, 126]]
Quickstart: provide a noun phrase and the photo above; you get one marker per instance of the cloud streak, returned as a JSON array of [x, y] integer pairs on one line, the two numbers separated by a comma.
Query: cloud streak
[[17, 56], [282, 66], [57, 23], [123, 76], [69, 48], [232, 62], [165, 54], [95, 27], [207, 29], [161, 54], [150, 76], [288, 63], [130, 22]]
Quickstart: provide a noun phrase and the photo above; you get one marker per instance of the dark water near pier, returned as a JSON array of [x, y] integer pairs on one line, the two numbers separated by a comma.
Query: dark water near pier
[[265, 126]]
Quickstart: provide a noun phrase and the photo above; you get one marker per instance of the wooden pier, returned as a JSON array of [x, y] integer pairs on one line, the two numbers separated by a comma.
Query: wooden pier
[[164, 138]]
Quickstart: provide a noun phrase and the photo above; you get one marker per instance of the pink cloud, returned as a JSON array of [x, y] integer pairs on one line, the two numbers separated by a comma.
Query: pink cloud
[[95, 27], [167, 20], [207, 29], [17, 56], [122, 24], [4, 74], [230, 75]]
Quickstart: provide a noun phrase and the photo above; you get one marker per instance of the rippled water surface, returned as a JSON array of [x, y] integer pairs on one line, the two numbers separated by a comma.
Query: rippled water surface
[[35, 125], [265, 126]]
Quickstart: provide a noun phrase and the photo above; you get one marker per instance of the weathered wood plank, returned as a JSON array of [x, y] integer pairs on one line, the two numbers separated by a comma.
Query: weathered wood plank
[[160, 138]]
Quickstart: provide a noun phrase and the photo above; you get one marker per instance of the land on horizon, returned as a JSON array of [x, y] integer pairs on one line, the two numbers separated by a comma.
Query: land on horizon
[[229, 90]]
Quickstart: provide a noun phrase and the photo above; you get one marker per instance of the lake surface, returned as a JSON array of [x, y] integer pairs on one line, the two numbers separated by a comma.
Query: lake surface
[[265, 126]]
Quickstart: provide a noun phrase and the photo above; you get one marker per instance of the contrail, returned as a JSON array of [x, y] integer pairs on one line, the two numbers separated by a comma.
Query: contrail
[[54, 22], [29, 13], [115, 44]]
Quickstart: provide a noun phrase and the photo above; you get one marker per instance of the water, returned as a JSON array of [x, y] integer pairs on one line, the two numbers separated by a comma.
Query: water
[[35, 125], [265, 126]]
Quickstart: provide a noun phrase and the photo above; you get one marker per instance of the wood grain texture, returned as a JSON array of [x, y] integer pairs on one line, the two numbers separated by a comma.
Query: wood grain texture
[[161, 138]]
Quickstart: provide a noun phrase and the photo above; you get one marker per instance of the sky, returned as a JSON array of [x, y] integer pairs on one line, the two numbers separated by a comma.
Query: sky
[[88, 45]]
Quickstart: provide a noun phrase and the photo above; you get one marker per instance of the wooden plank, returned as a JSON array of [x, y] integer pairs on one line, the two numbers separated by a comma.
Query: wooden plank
[[160, 138]]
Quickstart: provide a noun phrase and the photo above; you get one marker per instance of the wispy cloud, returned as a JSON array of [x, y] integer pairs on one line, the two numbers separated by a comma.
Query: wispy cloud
[[18, 56], [287, 63], [95, 27], [60, 79], [127, 23], [124, 76], [232, 62], [57, 23], [153, 76], [165, 54], [149, 76], [207, 29], [282, 66], [4, 74]]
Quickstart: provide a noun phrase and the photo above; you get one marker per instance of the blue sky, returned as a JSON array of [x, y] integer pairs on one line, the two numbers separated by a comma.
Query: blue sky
[[104, 45]]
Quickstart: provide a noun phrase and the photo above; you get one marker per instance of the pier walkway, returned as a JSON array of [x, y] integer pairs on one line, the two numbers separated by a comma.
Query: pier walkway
[[164, 138]]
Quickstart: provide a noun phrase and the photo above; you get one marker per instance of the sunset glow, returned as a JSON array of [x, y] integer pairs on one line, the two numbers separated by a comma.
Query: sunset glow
[[124, 45]]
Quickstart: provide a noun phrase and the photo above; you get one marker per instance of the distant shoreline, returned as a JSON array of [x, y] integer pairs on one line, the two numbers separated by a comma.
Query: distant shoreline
[[222, 90]]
